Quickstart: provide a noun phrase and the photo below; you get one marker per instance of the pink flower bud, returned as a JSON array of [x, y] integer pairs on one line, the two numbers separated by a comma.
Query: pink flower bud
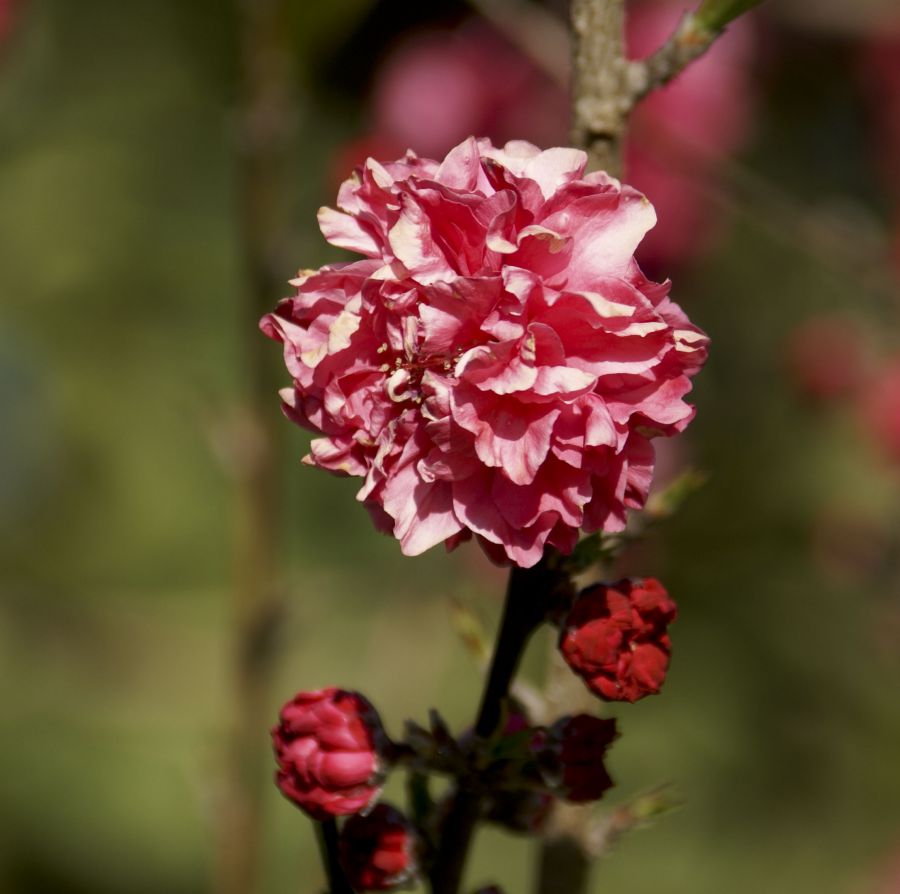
[[327, 745], [615, 638], [378, 851], [571, 753]]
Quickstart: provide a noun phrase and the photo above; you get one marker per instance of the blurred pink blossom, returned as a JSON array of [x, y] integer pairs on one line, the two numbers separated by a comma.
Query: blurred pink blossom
[[825, 357], [881, 410], [488, 86], [7, 14], [438, 87], [889, 876], [498, 364], [704, 115]]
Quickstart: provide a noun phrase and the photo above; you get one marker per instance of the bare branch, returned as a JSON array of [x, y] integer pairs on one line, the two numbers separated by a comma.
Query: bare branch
[[695, 34], [601, 98], [688, 42]]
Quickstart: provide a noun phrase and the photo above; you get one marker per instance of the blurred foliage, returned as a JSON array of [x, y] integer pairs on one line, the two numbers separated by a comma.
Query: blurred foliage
[[120, 370]]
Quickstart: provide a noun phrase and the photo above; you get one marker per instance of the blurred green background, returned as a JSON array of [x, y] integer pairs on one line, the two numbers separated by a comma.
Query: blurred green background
[[123, 365]]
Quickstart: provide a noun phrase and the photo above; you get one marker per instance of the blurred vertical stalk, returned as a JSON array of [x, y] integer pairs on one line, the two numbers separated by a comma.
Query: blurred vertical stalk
[[601, 100], [262, 140]]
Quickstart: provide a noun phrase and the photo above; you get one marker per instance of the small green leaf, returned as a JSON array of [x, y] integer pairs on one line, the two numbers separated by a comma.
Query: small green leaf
[[651, 805], [714, 15], [667, 502], [470, 631], [589, 551]]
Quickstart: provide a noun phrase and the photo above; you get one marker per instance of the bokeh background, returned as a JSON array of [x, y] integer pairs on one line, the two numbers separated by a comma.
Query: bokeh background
[[130, 383]]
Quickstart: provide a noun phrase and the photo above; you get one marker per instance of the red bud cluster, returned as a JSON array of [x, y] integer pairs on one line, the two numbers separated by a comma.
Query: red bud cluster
[[616, 638], [379, 850], [572, 752]]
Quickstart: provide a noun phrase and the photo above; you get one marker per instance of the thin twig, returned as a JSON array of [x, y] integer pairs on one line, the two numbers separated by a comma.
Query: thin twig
[[688, 42], [607, 86]]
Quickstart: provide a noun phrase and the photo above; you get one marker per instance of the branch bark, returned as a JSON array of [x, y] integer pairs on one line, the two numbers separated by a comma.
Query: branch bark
[[689, 41], [601, 98]]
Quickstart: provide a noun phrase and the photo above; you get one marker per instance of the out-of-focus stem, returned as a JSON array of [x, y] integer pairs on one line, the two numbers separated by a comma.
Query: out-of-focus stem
[[262, 131], [528, 597]]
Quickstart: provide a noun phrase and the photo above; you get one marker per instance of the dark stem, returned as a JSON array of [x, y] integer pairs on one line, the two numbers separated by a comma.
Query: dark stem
[[327, 833], [528, 598]]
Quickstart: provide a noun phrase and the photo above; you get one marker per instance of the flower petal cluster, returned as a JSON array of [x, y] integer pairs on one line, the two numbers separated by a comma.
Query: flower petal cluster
[[497, 364], [572, 752], [616, 638], [378, 851], [327, 746]]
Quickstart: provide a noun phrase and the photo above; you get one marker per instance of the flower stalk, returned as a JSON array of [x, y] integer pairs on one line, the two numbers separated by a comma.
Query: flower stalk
[[528, 598], [327, 834]]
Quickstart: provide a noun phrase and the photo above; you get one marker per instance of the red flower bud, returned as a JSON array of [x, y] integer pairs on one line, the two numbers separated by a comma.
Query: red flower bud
[[571, 754], [615, 638], [327, 746], [378, 851]]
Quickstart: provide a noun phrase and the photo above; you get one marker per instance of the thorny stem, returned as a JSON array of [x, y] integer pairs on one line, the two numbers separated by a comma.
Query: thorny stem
[[327, 834], [528, 596], [261, 141]]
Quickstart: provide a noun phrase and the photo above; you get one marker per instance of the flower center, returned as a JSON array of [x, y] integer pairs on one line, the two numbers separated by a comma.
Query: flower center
[[403, 381]]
